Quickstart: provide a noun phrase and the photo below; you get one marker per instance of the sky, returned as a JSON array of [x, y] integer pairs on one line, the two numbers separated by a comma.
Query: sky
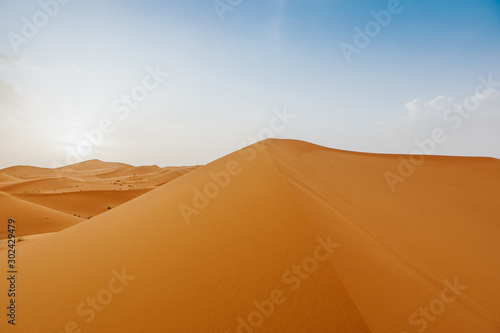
[[186, 82]]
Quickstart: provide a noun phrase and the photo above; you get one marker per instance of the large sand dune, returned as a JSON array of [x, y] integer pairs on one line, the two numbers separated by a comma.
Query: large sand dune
[[282, 236], [36, 219], [47, 200]]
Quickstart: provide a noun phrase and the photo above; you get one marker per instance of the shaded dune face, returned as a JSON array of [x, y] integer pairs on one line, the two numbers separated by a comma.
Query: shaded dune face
[[403, 248], [282, 236], [49, 200]]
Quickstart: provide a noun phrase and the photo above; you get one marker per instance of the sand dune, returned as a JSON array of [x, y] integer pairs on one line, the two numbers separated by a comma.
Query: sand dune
[[95, 165], [48, 200], [6, 178], [443, 224], [36, 219], [24, 171], [282, 236], [86, 204]]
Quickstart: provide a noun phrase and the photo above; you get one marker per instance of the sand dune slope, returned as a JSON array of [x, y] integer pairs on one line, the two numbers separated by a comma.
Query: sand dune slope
[[81, 191], [86, 204], [402, 250], [283, 236], [32, 218]]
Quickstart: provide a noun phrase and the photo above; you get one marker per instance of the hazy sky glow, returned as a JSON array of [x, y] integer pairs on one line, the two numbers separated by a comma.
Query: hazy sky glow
[[229, 78]]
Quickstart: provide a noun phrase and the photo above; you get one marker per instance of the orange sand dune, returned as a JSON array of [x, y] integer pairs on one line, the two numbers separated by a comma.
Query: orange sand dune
[[20, 241], [131, 171], [43, 185], [95, 165], [79, 191], [7, 178], [33, 218], [166, 176], [83, 204], [282, 236], [26, 172]]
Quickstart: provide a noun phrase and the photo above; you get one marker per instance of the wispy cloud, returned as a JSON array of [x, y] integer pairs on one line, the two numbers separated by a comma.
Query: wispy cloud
[[475, 132], [77, 69], [6, 59], [278, 22], [12, 103], [39, 70]]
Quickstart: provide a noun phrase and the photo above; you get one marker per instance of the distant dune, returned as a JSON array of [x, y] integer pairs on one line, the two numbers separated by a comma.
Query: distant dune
[[282, 236], [48, 200]]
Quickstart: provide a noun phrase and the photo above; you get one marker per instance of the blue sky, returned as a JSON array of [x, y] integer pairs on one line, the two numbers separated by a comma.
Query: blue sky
[[227, 78]]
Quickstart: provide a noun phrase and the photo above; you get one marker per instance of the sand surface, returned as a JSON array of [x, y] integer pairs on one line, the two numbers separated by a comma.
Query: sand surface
[[282, 236], [49, 200]]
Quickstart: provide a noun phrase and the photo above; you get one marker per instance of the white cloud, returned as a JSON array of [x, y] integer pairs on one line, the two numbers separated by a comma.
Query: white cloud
[[10, 99], [21, 104], [278, 21], [6, 59], [258, 116], [38, 70], [9, 61], [77, 69], [469, 133]]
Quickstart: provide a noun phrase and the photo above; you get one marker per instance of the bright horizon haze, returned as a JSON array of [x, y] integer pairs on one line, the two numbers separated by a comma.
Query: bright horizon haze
[[186, 82]]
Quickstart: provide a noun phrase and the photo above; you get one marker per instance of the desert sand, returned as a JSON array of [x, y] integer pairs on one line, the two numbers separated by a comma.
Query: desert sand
[[282, 236], [49, 200]]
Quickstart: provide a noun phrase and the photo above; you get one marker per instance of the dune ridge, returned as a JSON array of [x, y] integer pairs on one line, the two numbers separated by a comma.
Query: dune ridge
[[49, 200], [281, 236]]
